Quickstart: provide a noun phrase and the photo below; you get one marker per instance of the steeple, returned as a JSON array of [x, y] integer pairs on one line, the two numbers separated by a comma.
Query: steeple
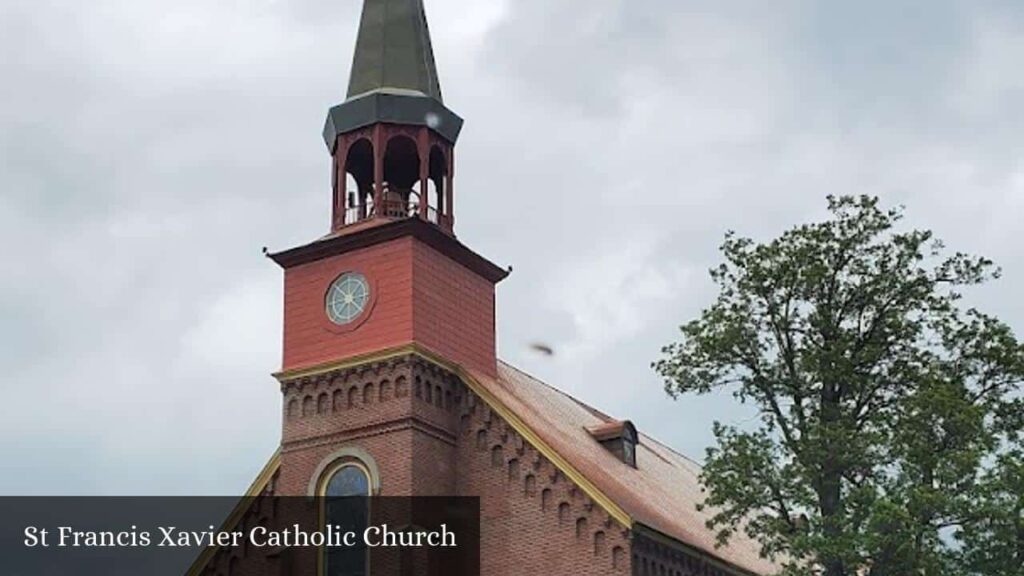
[[393, 52]]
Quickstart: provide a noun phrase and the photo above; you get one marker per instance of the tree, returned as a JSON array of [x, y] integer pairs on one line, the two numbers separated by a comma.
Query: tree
[[890, 414]]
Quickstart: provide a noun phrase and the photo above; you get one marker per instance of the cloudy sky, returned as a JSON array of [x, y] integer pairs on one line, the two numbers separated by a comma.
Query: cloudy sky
[[149, 150]]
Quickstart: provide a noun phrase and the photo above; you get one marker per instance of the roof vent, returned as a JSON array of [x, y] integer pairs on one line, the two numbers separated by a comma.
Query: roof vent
[[618, 437]]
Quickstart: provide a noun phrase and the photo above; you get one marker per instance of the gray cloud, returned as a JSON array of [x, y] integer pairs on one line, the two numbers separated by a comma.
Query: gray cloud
[[149, 150]]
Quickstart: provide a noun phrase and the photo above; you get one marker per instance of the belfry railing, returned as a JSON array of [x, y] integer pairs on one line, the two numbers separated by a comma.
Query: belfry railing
[[392, 209]]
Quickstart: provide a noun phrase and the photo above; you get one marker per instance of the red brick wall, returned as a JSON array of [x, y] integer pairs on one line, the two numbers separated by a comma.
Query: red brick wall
[[402, 411], [533, 519], [419, 295], [308, 337], [299, 465], [453, 310]]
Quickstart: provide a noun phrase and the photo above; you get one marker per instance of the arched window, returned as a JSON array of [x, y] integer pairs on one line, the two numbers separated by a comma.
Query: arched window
[[350, 479], [345, 489]]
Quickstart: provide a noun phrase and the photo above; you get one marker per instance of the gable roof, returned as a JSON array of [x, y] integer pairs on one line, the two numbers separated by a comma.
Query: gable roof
[[661, 493]]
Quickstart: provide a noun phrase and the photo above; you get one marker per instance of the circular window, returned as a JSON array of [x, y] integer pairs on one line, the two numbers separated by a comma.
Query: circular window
[[347, 298]]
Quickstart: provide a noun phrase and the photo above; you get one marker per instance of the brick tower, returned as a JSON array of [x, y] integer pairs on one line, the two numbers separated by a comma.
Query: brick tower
[[379, 310]]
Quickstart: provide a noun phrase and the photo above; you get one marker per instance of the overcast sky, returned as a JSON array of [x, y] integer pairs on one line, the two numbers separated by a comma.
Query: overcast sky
[[150, 149]]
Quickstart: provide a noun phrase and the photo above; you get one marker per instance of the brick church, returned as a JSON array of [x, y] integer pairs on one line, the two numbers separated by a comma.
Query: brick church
[[390, 382]]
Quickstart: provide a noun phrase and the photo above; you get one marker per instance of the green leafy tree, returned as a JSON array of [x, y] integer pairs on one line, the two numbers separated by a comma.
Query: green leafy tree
[[890, 414], [994, 544]]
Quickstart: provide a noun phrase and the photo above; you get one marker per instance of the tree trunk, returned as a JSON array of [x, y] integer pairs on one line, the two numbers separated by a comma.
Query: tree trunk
[[1019, 519], [830, 484]]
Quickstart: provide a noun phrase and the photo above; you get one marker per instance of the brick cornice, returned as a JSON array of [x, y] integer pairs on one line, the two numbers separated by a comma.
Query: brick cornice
[[410, 423]]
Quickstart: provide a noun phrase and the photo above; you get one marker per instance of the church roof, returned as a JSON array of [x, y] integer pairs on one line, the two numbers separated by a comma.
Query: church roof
[[393, 51], [661, 493]]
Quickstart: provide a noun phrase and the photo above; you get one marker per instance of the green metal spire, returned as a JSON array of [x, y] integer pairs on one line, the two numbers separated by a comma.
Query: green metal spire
[[393, 51], [394, 77]]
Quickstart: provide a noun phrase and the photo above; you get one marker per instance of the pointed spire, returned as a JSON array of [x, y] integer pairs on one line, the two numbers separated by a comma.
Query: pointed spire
[[393, 51], [394, 77]]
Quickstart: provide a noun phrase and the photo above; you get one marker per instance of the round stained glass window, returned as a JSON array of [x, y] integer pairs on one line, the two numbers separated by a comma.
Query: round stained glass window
[[347, 298]]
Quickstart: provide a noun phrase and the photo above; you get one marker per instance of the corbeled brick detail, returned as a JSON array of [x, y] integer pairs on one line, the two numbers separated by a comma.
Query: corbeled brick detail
[[397, 410], [651, 558], [534, 520]]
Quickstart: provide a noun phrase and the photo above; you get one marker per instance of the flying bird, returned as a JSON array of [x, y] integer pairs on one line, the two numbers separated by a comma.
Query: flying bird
[[542, 349]]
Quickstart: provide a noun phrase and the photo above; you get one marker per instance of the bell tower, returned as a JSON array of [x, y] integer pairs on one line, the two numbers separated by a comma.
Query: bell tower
[[393, 139], [381, 311]]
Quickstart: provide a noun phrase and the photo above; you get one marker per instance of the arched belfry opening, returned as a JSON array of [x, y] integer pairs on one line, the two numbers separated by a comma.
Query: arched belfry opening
[[393, 134], [354, 200], [401, 178], [437, 184]]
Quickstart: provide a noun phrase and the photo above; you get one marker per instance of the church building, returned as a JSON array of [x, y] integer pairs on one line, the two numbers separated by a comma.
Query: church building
[[390, 381]]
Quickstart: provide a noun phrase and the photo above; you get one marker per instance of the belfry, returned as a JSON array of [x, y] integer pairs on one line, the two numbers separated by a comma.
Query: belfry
[[390, 379], [393, 134]]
